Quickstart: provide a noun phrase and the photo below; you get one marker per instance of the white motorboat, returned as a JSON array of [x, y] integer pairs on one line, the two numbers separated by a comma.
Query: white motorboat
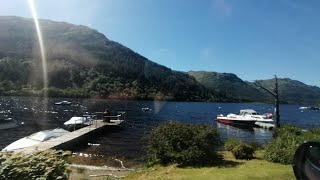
[[146, 109], [79, 122], [7, 123], [63, 103], [310, 108], [35, 138], [247, 117]]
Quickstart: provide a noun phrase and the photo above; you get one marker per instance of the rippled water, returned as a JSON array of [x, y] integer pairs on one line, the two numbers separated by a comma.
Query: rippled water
[[36, 114]]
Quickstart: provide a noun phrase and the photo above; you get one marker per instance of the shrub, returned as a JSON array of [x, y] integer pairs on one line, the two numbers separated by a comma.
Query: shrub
[[231, 143], [243, 151], [183, 144], [256, 145], [42, 165], [287, 140], [287, 129]]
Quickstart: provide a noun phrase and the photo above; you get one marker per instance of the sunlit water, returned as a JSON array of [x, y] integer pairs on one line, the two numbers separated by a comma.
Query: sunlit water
[[127, 140]]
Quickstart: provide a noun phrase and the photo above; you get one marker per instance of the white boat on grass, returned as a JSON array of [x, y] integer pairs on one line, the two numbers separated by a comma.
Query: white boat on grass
[[35, 138], [247, 117]]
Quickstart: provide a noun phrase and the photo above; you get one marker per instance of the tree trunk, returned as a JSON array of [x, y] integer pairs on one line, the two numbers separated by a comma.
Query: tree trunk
[[277, 114], [277, 104], [275, 94]]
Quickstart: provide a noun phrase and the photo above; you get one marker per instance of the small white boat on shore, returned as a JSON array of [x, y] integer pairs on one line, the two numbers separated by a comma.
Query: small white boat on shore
[[35, 138]]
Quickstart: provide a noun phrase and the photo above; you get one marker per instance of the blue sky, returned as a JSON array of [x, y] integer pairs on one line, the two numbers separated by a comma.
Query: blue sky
[[254, 39]]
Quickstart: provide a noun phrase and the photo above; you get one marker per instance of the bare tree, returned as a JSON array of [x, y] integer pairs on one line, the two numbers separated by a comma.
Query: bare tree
[[275, 94]]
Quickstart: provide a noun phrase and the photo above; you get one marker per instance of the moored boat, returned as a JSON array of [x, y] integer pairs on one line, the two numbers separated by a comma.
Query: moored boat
[[78, 122], [310, 108], [247, 117], [35, 138], [146, 109], [63, 103], [7, 123]]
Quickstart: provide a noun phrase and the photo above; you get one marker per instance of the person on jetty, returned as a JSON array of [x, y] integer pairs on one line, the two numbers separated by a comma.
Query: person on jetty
[[106, 116]]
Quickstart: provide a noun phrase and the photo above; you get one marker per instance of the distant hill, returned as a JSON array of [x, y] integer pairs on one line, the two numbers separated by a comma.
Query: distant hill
[[295, 92], [84, 63], [229, 85], [232, 87]]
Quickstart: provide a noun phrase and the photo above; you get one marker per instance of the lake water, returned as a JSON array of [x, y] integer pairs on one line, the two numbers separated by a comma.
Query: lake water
[[36, 114]]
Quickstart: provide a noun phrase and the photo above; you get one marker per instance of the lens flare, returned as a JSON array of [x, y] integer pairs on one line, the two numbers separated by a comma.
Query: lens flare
[[43, 56], [42, 50]]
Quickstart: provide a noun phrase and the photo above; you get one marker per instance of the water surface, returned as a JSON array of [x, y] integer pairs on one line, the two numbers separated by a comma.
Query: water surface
[[36, 114]]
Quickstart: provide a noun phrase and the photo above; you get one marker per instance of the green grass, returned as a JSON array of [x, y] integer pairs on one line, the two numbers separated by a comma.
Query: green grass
[[232, 169]]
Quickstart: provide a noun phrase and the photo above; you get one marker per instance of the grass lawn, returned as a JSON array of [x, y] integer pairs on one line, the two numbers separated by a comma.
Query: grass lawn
[[232, 169]]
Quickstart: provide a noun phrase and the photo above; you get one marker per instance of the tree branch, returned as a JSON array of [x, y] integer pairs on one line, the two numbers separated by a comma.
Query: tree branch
[[258, 84]]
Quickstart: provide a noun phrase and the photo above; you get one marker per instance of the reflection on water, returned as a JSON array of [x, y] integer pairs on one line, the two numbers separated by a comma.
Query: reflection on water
[[127, 140]]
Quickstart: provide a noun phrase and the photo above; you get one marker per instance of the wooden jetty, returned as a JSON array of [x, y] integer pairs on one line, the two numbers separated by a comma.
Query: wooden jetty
[[72, 136]]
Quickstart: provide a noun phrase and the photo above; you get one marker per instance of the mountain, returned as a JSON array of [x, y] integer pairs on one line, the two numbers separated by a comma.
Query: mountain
[[81, 62], [230, 86], [294, 92]]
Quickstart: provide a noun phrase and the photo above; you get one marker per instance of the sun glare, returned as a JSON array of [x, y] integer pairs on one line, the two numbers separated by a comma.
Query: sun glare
[[42, 51]]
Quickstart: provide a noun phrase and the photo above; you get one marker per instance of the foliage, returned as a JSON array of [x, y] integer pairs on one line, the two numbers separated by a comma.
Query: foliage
[[183, 144], [287, 130], [238, 149], [242, 151], [42, 165], [231, 143], [286, 141], [256, 145]]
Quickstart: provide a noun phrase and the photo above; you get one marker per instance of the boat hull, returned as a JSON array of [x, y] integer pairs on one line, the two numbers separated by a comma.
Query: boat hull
[[35, 139], [236, 121]]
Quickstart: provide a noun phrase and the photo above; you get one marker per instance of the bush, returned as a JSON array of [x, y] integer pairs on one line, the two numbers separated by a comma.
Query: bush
[[287, 140], [287, 130], [243, 151], [256, 145], [42, 165], [231, 143], [183, 144]]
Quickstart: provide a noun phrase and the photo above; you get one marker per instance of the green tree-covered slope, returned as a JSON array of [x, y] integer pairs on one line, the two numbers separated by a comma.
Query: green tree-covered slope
[[227, 84], [83, 62]]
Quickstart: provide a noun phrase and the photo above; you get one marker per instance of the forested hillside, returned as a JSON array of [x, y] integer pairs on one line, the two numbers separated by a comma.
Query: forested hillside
[[84, 63], [231, 86]]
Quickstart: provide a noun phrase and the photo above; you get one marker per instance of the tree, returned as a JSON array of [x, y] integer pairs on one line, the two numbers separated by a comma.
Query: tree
[[275, 94], [183, 144]]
